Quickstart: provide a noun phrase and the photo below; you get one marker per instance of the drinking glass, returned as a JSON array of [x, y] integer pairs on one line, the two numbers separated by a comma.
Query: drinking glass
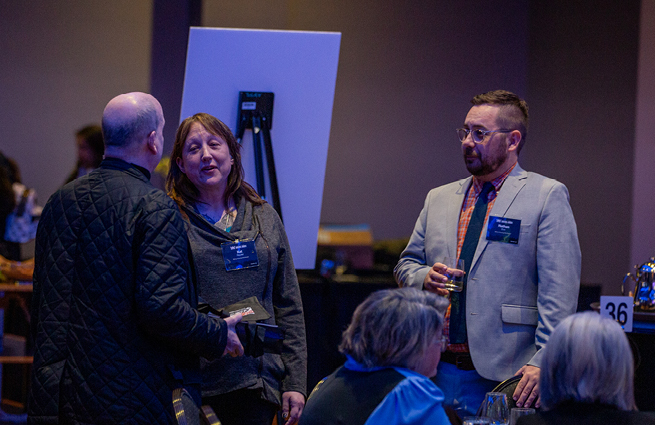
[[455, 282], [495, 407], [476, 420], [517, 412]]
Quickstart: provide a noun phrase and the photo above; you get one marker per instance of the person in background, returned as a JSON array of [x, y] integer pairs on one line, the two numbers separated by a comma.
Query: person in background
[[223, 212], [392, 346], [516, 233], [90, 149], [113, 319], [18, 224], [587, 375], [8, 249]]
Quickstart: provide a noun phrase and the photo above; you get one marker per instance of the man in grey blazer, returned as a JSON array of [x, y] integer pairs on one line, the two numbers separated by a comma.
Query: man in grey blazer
[[524, 275]]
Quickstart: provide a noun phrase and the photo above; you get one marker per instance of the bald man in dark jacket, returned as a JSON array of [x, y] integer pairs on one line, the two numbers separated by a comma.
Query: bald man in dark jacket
[[113, 310]]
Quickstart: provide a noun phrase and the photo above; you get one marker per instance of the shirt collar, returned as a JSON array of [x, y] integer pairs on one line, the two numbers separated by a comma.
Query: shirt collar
[[497, 182]]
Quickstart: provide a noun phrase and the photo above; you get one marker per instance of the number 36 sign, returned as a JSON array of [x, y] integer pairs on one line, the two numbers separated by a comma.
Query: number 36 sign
[[620, 309]]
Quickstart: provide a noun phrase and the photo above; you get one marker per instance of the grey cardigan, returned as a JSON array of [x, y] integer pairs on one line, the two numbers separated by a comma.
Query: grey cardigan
[[273, 282]]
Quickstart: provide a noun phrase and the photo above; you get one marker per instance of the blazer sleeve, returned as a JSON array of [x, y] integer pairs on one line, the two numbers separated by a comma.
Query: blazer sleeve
[[558, 266], [412, 266]]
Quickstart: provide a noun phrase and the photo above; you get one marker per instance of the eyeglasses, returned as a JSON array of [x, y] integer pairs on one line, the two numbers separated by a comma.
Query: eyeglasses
[[477, 135], [444, 342]]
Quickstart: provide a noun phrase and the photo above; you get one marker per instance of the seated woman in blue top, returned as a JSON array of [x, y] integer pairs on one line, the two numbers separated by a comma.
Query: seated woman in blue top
[[393, 346]]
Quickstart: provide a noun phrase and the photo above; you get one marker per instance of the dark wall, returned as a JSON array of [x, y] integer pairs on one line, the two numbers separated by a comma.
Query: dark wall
[[406, 74], [60, 63], [582, 87], [407, 71], [643, 184]]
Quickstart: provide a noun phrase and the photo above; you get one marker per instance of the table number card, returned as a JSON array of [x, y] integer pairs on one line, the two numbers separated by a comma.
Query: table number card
[[619, 309]]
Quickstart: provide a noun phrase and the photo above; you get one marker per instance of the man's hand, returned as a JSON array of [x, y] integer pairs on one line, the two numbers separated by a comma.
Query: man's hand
[[436, 277], [233, 347], [527, 389], [292, 404]]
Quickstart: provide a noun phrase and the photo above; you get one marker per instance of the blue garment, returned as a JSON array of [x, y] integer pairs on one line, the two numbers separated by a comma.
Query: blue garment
[[412, 399], [416, 400], [464, 389]]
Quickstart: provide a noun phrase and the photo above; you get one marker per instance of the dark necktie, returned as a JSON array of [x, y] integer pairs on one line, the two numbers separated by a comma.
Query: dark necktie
[[458, 299]]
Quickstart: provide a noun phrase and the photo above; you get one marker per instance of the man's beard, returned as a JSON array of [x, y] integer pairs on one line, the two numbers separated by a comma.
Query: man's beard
[[488, 164]]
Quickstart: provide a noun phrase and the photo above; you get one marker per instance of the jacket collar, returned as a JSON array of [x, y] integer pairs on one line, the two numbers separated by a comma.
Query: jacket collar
[[119, 164]]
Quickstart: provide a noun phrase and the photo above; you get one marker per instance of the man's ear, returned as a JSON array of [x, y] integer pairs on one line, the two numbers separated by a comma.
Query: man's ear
[[152, 142], [513, 140]]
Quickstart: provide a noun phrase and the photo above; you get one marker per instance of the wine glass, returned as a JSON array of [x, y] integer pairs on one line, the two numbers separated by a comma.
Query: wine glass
[[476, 420], [455, 282], [517, 412], [495, 407]]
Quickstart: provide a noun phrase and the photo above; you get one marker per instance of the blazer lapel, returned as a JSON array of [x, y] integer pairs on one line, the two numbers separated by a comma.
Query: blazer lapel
[[512, 186], [508, 192]]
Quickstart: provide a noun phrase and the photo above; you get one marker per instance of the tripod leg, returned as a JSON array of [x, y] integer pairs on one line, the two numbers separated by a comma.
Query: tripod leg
[[259, 164], [272, 175]]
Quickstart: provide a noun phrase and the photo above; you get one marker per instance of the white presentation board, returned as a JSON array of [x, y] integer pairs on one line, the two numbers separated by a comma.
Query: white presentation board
[[300, 68]]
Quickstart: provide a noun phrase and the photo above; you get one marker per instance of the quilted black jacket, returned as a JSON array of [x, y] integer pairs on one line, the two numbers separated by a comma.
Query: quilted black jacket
[[112, 316]]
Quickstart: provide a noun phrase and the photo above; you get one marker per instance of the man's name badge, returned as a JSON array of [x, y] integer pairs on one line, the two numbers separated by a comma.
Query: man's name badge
[[501, 229], [238, 255]]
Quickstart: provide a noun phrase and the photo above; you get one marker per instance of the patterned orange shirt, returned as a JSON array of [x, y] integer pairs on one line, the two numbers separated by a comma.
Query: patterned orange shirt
[[464, 218]]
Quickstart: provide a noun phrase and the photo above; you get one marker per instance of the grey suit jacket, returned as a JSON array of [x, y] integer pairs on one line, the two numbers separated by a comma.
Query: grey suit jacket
[[516, 293]]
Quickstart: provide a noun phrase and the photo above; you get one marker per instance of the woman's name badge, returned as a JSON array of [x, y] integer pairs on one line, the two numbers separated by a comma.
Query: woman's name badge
[[241, 254], [501, 229]]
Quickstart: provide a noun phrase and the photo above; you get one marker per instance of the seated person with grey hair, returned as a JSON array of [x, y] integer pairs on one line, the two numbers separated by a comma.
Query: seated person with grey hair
[[587, 375], [393, 345]]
